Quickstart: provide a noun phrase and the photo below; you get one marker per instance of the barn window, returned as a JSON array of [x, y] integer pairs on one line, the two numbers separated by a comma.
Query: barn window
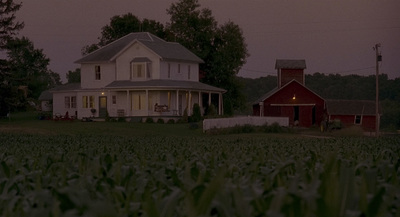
[[357, 119]]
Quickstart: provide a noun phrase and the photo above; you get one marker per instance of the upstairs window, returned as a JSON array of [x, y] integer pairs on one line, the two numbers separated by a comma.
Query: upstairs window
[[188, 72], [169, 70], [97, 72], [140, 68], [179, 68]]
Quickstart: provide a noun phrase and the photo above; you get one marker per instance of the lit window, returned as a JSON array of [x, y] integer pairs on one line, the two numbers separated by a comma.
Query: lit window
[[97, 72], [87, 101]]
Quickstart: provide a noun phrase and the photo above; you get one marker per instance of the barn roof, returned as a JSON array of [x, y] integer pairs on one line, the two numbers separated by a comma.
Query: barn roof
[[164, 49], [290, 64], [276, 89], [350, 107]]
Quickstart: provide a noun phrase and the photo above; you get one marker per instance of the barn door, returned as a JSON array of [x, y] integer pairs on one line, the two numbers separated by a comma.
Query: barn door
[[296, 114]]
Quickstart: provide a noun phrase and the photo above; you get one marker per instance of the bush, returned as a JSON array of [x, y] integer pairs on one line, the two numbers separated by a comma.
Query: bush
[[196, 116], [273, 128], [211, 111], [149, 120], [160, 121], [171, 121]]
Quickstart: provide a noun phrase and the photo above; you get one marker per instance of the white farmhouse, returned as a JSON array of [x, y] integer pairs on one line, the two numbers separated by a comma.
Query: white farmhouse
[[137, 75]]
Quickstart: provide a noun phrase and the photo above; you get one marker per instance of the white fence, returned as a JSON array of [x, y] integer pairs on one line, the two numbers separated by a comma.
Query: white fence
[[240, 121]]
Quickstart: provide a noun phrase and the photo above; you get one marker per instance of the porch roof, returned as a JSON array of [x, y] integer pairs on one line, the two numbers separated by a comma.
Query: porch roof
[[163, 84]]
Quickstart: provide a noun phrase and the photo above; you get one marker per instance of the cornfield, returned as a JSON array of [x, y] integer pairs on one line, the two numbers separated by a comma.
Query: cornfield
[[63, 176]]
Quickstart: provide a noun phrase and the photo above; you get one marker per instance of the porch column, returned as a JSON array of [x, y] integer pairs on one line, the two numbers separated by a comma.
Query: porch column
[[220, 112], [190, 103], [209, 98], [147, 102], [128, 111], [177, 102]]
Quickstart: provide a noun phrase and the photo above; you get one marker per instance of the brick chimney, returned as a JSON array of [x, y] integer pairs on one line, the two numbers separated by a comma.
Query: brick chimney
[[289, 70]]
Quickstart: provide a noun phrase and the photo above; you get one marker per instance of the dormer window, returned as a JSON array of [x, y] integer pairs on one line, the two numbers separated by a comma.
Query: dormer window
[[97, 72], [140, 68]]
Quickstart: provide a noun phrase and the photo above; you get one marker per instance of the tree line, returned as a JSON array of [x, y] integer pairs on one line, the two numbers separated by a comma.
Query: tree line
[[335, 86]]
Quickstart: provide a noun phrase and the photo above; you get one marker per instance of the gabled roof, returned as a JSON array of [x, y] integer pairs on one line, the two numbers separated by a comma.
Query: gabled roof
[[165, 50], [160, 84], [66, 87], [290, 64], [350, 107], [276, 89]]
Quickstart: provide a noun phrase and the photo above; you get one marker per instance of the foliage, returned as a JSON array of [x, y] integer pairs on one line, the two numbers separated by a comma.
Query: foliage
[[74, 76], [28, 67], [222, 48], [211, 111], [64, 175], [196, 116], [123, 25], [8, 26], [160, 121]]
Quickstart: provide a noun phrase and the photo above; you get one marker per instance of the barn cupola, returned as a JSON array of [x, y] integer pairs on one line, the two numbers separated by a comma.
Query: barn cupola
[[289, 70]]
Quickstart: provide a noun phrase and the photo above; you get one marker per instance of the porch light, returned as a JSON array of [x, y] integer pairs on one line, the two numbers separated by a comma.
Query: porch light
[[102, 93], [294, 96]]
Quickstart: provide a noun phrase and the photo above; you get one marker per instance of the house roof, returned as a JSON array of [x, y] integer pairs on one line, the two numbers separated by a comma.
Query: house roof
[[160, 84], [165, 50], [290, 64], [350, 107], [66, 87], [276, 89]]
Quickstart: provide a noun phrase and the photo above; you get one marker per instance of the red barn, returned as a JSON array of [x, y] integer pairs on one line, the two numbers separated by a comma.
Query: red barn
[[291, 98], [353, 112]]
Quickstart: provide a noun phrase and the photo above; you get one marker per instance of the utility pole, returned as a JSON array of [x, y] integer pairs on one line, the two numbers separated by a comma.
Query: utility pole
[[378, 59]]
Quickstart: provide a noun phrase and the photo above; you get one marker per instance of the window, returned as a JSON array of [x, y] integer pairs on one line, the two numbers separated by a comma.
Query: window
[[67, 102], [138, 70], [357, 119], [70, 102], [189, 72], [97, 72], [73, 101], [87, 101], [114, 99], [179, 68], [138, 102], [169, 70]]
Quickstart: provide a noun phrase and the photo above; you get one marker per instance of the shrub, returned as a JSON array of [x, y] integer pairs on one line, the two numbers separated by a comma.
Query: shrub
[[149, 120], [196, 116], [171, 121], [160, 121], [211, 111]]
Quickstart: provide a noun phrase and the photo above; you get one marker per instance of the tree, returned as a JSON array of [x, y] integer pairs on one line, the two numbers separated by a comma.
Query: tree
[[8, 26], [123, 25], [222, 48], [28, 67], [74, 76]]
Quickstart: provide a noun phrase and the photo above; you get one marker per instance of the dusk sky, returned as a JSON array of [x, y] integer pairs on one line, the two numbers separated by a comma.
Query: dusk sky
[[333, 36]]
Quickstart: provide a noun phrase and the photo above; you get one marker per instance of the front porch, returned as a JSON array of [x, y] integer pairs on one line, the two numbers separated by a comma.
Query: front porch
[[157, 103]]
